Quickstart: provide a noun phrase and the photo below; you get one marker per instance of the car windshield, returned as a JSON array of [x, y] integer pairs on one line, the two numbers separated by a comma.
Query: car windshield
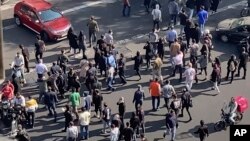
[[49, 15], [237, 22]]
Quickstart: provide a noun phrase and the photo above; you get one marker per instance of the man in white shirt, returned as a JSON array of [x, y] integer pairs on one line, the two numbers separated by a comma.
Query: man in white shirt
[[167, 92], [111, 72], [72, 132], [109, 38], [190, 75], [18, 63], [178, 63], [84, 120], [41, 69], [19, 100]]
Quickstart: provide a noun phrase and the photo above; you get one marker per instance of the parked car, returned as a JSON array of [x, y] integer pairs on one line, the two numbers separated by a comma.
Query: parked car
[[234, 29], [42, 18]]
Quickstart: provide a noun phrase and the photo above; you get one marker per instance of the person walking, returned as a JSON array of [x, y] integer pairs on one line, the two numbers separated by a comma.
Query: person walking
[[156, 17], [72, 37], [191, 4], [155, 92], [160, 48], [167, 92], [188, 31], [106, 117], [156, 71], [121, 108], [196, 33], [171, 125], [26, 57], [232, 65], [84, 120], [153, 40], [194, 49], [138, 60], [109, 39], [135, 124], [70, 78], [82, 42], [186, 100], [215, 78], [68, 117], [202, 18], [178, 64], [121, 68], [128, 132], [214, 5], [91, 77], [40, 48], [126, 6], [97, 101], [138, 97], [190, 76], [203, 61], [202, 131], [75, 100], [50, 100], [93, 28], [147, 5], [141, 115], [171, 35], [243, 63], [72, 132], [111, 72], [174, 48], [114, 133], [31, 107], [173, 9], [149, 53], [62, 61], [61, 84], [183, 49], [183, 20]]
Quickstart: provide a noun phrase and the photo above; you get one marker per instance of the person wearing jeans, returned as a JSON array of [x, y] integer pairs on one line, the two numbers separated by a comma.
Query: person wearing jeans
[[84, 120], [111, 72], [190, 75], [171, 125], [167, 92], [126, 5], [215, 78], [202, 18], [106, 116], [31, 106], [93, 28], [155, 91]]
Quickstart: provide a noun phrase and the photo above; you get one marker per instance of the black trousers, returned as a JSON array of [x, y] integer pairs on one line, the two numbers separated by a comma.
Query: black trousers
[[40, 54], [244, 68], [122, 76], [156, 23], [187, 109], [167, 103], [32, 116], [64, 68], [179, 68], [232, 75], [26, 64]]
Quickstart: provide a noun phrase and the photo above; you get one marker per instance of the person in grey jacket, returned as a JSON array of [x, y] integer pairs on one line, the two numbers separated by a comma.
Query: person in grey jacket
[[138, 97], [167, 92], [203, 61], [173, 10]]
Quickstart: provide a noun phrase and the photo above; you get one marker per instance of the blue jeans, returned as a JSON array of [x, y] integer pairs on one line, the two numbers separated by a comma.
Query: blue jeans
[[191, 12], [202, 27], [110, 82], [154, 98], [105, 123], [84, 129], [125, 6]]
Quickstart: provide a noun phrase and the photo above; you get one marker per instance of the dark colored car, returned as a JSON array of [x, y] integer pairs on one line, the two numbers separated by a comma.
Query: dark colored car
[[233, 30], [40, 17]]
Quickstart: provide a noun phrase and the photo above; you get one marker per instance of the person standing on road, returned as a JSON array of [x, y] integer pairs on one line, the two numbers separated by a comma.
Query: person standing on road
[[203, 61], [97, 101], [82, 42], [186, 102], [215, 78], [191, 4], [106, 117], [72, 132], [121, 68], [171, 125], [160, 48], [173, 9], [202, 18], [243, 63], [156, 71], [31, 107], [68, 117], [155, 92], [171, 35], [174, 48], [167, 92], [202, 131], [41, 69], [128, 132], [62, 61], [75, 100], [190, 76], [178, 64], [183, 21], [111, 72], [138, 97], [93, 28], [84, 120], [232, 65], [50, 100], [126, 6], [39, 48], [148, 54], [147, 5], [214, 5], [26, 56], [135, 124], [156, 17], [141, 115], [138, 60], [121, 108], [72, 37]]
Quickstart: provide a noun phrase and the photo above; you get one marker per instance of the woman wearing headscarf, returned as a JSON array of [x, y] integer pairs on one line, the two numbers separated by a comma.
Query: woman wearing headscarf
[[214, 5], [82, 43], [72, 37], [121, 108]]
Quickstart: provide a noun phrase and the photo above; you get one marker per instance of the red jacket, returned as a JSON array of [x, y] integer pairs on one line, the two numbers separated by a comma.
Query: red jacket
[[8, 91]]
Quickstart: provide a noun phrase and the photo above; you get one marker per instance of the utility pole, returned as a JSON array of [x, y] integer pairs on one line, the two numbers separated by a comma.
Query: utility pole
[[2, 71]]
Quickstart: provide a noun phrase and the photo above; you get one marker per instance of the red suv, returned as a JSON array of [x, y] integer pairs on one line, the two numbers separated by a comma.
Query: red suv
[[40, 17]]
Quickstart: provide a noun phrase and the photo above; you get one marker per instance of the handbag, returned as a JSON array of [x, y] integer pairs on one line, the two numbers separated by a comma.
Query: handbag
[[190, 103]]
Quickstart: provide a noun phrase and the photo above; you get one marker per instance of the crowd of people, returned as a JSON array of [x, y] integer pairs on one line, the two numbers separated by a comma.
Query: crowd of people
[[190, 52]]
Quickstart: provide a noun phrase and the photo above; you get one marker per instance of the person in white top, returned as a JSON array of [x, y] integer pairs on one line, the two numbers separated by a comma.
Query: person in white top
[[18, 63], [109, 38], [114, 133], [157, 16], [41, 69], [111, 72], [84, 120], [194, 49], [19, 100], [190, 75], [72, 132], [178, 64]]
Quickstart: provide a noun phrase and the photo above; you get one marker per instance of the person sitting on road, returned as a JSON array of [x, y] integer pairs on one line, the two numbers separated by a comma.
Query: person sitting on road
[[232, 110]]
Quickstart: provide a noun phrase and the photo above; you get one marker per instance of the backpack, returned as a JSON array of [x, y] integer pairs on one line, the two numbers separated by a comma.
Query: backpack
[[176, 104], [232, 66]]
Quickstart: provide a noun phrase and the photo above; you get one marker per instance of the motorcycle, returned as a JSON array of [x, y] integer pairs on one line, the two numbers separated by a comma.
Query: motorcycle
[[17, 118], [224, 122], [245, 11], [5, 105]]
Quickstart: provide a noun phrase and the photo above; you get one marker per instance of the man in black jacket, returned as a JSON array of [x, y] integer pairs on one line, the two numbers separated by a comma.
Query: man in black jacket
[[128, 132], [232, 65], [202, 131], [243, 63], [171, 124], [50, 100], [62, 61]]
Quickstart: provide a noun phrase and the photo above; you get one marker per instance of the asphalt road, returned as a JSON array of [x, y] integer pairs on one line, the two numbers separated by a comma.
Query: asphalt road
[[207, 105]]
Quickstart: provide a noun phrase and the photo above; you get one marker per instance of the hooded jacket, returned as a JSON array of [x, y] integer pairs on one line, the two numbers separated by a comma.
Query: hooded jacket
[[173, 8], [157, 13]]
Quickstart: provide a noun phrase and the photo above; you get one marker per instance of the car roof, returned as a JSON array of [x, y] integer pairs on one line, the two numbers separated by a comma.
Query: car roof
[[38, 5]]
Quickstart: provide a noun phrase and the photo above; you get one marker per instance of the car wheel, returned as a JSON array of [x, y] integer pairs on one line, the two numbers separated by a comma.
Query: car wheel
[[18, 21], [224, 38], [45, 36]]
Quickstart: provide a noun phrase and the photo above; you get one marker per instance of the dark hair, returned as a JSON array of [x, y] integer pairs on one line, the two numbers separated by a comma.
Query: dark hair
[[38, 37], [202, 122], [127, 124], [73, 90], [20, 46], [167, 81]]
